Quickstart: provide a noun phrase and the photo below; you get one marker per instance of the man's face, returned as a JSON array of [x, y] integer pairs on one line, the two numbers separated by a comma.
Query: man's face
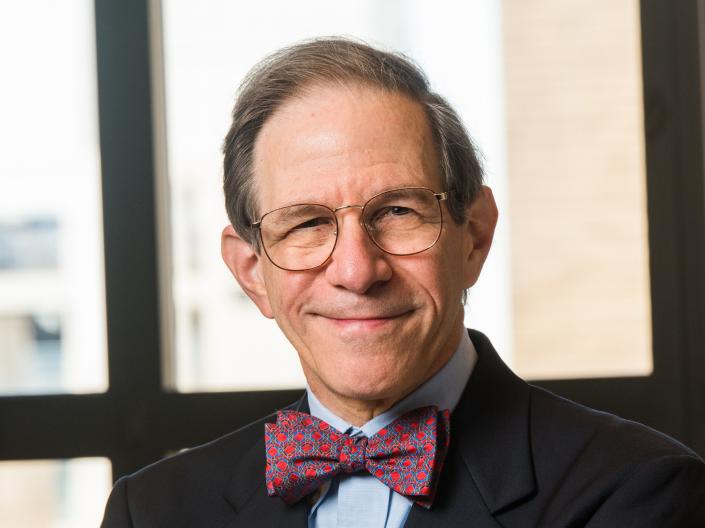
[[367, 325]]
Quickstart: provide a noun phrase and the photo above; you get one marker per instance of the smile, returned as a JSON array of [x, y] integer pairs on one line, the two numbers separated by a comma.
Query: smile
[[366, 322]]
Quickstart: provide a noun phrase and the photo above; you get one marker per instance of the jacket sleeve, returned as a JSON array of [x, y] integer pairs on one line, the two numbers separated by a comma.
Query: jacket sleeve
[[117, 512], [668, 491]]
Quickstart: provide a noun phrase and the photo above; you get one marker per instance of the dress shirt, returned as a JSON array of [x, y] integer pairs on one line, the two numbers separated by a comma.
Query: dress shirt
[[359, 499]]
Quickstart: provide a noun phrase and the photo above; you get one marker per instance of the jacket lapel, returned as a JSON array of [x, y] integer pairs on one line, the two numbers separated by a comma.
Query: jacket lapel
[[458, 501], [247, 494], [489, 466]]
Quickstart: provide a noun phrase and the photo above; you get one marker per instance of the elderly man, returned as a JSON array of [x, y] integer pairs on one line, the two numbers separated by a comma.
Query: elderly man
[[359, 221]]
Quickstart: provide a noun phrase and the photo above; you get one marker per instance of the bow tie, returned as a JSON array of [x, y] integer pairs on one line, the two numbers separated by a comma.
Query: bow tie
[[303, 452]]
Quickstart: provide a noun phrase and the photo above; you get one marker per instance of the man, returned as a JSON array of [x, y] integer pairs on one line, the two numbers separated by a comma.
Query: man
[[359, 220]]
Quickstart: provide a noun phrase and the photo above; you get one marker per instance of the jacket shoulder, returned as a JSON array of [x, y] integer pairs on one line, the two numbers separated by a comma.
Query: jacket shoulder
[[188, 488], [205, 458], [610, 471], [559, 421]]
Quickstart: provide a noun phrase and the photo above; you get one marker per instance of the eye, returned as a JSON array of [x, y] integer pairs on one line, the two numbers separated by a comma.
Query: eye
[[392, 210], [314, 222], [397, 210]]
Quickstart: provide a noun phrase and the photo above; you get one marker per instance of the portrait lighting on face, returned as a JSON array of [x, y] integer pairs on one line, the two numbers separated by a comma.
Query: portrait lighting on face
[[373, 310]]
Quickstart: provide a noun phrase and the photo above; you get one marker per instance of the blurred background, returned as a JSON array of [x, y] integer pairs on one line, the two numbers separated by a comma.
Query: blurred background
[[123, 337]]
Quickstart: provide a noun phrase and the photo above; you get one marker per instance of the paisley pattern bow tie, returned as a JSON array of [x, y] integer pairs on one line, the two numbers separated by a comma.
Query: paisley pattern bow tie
[[303, 452]]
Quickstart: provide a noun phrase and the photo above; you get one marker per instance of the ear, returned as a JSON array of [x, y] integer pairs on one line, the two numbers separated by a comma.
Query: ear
[[480, 222], [245, 265]]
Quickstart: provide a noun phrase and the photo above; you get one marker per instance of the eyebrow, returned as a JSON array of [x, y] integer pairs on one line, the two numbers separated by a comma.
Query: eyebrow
[[287, 212]]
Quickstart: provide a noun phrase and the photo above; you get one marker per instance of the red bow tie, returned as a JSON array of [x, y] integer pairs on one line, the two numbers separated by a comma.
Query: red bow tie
[[407, 455]]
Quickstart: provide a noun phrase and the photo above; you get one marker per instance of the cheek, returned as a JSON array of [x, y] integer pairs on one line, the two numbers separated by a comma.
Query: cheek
[[443, 280], [286, 291], [428, 280]]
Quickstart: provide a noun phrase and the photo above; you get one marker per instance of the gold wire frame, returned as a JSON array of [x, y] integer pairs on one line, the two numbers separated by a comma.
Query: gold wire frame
[[439, 198]]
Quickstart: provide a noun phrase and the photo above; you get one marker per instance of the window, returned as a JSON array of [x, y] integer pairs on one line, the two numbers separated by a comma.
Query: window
[[577, 190], [59, 415], [53, 493], [52, 315], [565, 293]]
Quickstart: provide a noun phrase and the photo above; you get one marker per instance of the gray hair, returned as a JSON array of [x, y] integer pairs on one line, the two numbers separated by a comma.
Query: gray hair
[[289, 71]]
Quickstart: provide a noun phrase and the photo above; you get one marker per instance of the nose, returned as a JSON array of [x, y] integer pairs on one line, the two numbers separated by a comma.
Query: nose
[[356, 264]]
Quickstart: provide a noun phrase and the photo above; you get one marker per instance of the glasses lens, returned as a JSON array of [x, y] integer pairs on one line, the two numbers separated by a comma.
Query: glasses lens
[[299, 237], [404, 221]]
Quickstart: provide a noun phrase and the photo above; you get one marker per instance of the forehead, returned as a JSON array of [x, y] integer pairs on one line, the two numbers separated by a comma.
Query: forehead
[[342, 144]]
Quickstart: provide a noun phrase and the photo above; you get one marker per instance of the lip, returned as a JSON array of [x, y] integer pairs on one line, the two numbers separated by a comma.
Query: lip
[[366, 322], [361, 324]]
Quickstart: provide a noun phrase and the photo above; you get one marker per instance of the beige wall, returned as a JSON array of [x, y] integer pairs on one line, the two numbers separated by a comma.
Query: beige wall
[[577, 187]]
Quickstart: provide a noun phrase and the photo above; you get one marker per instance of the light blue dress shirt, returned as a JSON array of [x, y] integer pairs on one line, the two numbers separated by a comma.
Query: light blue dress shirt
[[359, 499]]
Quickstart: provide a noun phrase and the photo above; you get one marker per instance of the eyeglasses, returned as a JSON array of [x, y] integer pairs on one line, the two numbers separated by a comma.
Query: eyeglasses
[[400, 222]]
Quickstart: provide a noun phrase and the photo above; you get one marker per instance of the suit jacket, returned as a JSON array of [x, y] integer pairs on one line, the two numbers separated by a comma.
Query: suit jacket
[[519, 457]]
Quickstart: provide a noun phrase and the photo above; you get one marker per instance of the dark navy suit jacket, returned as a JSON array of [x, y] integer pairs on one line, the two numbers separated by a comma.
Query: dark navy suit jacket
[[519, 457]]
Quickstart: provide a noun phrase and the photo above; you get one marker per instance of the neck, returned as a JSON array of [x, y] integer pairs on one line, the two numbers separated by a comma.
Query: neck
[[354, 411]]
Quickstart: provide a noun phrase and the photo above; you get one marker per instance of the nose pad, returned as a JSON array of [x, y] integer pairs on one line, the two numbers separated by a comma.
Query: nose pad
[[360, 220], [357, 262], [368, 237]]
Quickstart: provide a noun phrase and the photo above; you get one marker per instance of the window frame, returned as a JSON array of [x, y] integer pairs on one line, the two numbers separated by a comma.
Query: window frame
[[137, 421]]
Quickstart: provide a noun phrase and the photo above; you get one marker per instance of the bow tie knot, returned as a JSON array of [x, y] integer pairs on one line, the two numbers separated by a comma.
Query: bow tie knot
[[352, 456], [407, 455]]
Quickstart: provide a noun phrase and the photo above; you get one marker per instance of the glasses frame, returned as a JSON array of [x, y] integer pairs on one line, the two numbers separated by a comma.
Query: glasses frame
[[439, 196]]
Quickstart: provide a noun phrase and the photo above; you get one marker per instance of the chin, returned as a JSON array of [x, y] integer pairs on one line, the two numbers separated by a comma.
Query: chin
[[366, 384]]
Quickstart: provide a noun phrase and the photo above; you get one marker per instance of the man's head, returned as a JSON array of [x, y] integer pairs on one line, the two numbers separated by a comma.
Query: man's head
[[290, 71], [335, 122]]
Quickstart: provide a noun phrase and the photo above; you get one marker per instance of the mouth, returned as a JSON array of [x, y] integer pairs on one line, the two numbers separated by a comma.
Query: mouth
[[364, 322]]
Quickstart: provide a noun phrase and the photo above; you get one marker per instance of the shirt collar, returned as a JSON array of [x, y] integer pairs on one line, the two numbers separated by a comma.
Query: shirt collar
[[443, 390]]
